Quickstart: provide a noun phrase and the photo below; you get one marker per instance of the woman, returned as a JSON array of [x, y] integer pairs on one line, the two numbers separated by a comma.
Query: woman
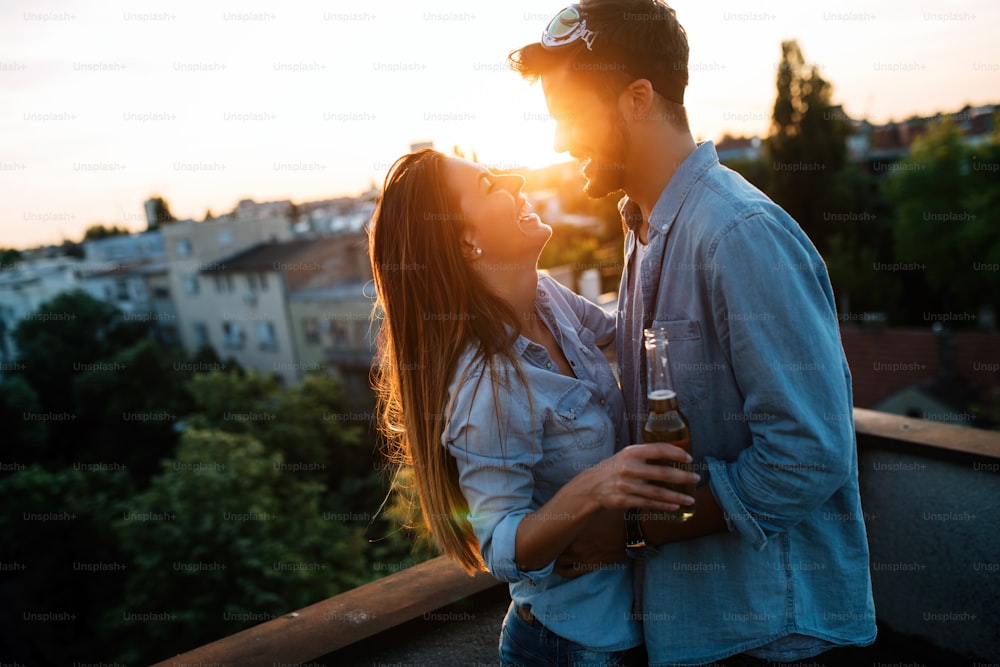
[[492, 387]]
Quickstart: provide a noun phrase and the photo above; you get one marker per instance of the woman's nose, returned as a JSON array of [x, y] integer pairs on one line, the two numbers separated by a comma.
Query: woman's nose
[[514, 182]]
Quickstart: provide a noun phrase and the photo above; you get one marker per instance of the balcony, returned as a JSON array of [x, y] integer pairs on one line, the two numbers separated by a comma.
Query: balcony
[[931, 497], [350, 358]]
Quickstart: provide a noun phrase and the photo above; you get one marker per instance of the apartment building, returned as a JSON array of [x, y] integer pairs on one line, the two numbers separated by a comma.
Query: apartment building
[[192, 247], [247, 304], [330, 314]]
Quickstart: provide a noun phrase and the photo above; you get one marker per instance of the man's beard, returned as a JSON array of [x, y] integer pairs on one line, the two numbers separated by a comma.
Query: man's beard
[[605, 176]]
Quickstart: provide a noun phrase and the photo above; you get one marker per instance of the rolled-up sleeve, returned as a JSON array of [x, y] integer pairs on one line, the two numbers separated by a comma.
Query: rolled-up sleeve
[[774, 312], [496, 448]]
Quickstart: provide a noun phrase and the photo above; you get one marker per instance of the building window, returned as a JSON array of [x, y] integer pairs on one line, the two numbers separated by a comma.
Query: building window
[[191, 285], [121, 290], [265, 336], [233, 334], [310, 327], [338, 334], [201, 334], [167, 333], [258, 281], [161, 292], [360, 333], [184, 247], [223, 283], [225, 237]]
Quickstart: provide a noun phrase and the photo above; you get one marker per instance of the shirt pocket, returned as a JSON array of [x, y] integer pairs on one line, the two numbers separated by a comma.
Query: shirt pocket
[[575, 421], [689, 365]]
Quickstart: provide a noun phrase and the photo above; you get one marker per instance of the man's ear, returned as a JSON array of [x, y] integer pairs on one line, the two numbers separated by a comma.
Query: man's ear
[[637, 99]]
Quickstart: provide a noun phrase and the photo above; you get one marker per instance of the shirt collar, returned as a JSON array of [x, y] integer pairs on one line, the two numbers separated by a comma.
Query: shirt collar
[[672, 197], [542, 300]]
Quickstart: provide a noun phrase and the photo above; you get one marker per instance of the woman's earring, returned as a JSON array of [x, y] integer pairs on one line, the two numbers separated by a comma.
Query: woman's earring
[[479, 252]]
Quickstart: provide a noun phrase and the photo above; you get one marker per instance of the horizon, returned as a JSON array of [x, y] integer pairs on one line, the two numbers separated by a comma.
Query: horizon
[[566, 162], [204, 105]]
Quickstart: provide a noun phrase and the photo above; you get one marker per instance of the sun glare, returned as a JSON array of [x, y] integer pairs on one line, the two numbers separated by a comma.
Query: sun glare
[[206, 105]]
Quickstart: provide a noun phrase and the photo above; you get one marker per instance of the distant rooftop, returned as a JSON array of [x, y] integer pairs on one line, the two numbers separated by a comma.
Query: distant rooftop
[[307, 263]]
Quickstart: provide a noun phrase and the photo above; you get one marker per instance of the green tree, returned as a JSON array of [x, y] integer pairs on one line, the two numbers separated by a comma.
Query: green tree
[[756, 171], [316, 430], [129, 404], [403, 515], [71, 249], [807, 146], [63, 338], [62, 558], [570, 245], [25, 437], [99, 231], [161, 214], [223, 539], [9, 257], [947, 222], [859, 244]]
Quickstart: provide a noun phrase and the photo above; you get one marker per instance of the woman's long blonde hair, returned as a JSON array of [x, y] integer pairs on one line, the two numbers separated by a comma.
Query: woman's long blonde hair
[[433, 307]]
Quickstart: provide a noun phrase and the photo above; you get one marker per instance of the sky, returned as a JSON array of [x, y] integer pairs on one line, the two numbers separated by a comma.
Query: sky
[[104, 104]]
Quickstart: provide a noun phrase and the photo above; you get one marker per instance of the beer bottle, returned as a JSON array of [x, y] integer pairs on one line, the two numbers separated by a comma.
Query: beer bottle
[[665, 422]]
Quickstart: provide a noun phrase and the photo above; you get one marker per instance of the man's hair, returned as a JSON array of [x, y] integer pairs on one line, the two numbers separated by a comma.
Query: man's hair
[[635, 39]]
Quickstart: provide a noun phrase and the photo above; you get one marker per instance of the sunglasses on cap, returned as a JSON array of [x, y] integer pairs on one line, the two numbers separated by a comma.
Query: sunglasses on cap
[[569, 26]]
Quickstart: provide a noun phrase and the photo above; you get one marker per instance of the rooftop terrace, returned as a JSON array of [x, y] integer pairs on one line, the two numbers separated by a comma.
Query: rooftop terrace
[[931, 497]]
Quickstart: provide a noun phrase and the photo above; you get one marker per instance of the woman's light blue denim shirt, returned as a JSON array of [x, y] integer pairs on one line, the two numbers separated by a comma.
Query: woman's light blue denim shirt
[[519, 445]]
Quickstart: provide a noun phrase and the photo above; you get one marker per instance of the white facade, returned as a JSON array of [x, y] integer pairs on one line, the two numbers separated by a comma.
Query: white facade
[[244, 315], [192, 246], [25, 286]]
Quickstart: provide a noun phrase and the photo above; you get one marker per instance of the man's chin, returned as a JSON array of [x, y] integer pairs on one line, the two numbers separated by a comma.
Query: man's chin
[[601, 180], [598, 188]]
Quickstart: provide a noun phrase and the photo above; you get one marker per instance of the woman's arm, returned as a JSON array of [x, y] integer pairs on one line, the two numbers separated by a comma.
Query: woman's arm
[[496, 453], [619, 482]]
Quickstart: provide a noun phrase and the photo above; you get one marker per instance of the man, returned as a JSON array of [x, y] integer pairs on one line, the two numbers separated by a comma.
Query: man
[[774, 565]]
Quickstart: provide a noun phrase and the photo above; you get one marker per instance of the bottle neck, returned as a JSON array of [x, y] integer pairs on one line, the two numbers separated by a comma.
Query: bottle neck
[[662, 400]]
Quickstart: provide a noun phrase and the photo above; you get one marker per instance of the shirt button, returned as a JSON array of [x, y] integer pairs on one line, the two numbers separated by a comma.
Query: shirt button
[[603, 402]]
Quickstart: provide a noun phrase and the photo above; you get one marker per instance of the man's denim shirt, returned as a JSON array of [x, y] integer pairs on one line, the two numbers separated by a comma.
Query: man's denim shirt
[[515, 448], [760, 371]]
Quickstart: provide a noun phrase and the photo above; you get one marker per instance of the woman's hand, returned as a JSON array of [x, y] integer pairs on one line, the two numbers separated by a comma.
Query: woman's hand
[[627, 479], [622, 481]]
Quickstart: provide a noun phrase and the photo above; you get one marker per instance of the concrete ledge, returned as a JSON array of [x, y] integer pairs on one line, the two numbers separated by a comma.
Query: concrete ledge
[[873, 426], [341, 620]]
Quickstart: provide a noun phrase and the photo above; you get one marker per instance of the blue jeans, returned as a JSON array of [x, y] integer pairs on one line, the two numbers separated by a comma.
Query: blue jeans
[[744, 660], [524, 645]]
